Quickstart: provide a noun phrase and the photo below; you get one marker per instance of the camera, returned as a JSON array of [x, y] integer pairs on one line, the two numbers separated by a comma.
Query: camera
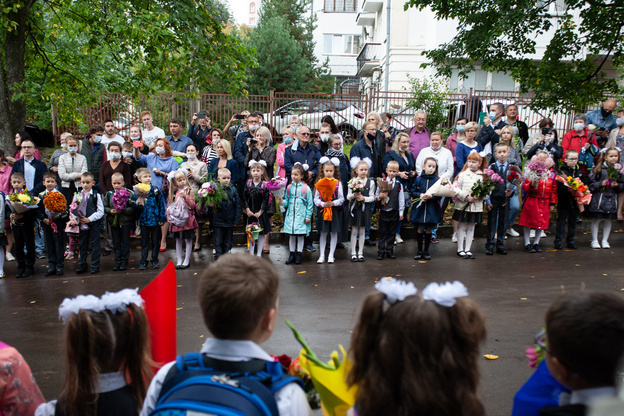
[[201, 115], [239, 116], [253, 140], [545, 131]]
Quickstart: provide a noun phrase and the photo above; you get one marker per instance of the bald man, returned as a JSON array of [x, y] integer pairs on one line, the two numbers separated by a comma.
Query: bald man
[[603, 119]]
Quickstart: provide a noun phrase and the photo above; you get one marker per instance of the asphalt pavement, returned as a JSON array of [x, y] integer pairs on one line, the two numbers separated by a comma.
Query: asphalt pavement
[[323, 301]]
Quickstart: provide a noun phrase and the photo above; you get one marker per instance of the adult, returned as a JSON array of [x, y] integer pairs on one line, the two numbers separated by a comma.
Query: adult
[[458, 136], [303, 152], [240, 146], [442, 155], [379, 140], [200, 129], [160, 164], [547, 143], [419, 135], [324, 134], [520, 128], [92, 149], [32, 168], [287, 138], [466, 146], [114, 165], [578, 138], [388, 130], [209, 150], [604, 119], [150, 132], [110, 133], [259, 149], [233, 130], [6, 188], [136, 138], [54, 159], [368, 148], [225, 160], [71, 166], [177, 141], [492, 124], [329, 121], [546, 126], [197, 175], [20, 136]]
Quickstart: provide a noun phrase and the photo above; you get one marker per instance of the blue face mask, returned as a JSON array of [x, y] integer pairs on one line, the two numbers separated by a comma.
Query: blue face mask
[[287, 139], [460, 128], [296, 128], [492, 115]]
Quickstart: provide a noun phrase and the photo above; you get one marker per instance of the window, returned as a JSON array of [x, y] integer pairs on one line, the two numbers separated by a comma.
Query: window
[[340, 6], [341, 44], [554, 7], [252, 7], [252, 21]]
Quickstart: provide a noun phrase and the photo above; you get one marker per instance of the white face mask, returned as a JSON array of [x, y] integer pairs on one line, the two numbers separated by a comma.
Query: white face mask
[[492, 115], [191, 156], [620, 121], [63, 146], [135, 136], [579, 126], [160, 150], [127, 154], [72, 149], [97, 139], [115, 156], [460, 127], [254, 127], [324, 137]]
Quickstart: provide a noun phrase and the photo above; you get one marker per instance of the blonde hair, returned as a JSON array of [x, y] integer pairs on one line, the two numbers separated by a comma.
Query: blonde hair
[[512, 142], [376, 115], [224, 171], [397, 139], [393, 163], [354, 173], [227, 148], [117, 175], [265, 133], [472, 126], [173, 187]]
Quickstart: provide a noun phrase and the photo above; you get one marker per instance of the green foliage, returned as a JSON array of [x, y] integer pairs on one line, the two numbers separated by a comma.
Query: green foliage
[[429, 95], [500, 36]]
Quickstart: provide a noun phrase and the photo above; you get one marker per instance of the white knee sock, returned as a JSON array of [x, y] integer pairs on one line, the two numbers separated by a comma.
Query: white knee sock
[[538, 235], [594, 229], [259, 245], [333, 243], [2, 261], [189, 250], [469, 236], [179, 251], [300, 242], [527, 235], [292, 243], [461, 236], [322, 243], [362, 239], [354, 234], [606, 230]]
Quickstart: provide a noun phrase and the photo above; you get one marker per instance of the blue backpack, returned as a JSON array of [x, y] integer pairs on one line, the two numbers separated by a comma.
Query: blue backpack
[[201, 385]]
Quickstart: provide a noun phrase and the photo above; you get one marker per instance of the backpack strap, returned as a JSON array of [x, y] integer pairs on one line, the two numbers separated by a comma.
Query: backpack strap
[[304, 189]]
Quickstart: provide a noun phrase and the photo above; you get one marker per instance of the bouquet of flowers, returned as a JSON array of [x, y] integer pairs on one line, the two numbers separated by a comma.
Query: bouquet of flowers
[[54, 204], [614, 174], [579, 190], [442, 187], [483, 187], [121, 198], [210, 194], [22, 201], [536, 171], [385, 187], [141, 191], [326, 188], [514, 175], [357, 185], [78, 208], [277, 187], [293, 367], [535, 354], [253, 230]]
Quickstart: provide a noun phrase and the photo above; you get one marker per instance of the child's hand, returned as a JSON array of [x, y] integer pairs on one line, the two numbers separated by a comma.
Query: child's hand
[[359, 196], [489, 207], [15, 217], [605, 183], [280, 200], [328, 204], [425, 196], [508, 193], [161, 223], [383, 195], [307, 221], [470, 199], [73, 223], [401, 218], [114, 211], [552, 208], [614, 184], [85, 220], [47, 222], [249, 213]]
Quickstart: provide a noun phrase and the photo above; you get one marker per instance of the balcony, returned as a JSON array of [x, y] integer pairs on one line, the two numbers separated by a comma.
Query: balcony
[[372, 6], [368, 59], [365, 19]]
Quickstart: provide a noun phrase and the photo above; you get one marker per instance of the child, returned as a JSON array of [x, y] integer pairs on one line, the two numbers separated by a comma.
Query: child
[[585, 343], [360, 212], [180, 188], [4, 241], [498, 202], [390, 213], [53, 228], [226, 215], [604, 189], [120, 222], [23, 232], [152, 217], [567, 207], [540, 199], [107, 356], [426, 213], [468, 209], [245, 290], [256, 203], [329, 169], [299, 205], [89, 224], [126, 153], [437, 335]]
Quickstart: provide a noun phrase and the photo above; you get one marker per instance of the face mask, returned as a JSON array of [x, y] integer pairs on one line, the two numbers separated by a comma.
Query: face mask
[[160, 150], [620, 121], [126, 154], [243, 123], [137, 137], [63, 146], [579, 126], [324, 137], [191, 156], [605, 113], [371, 137], [492, 115], [97, 139], [436, 148], [460, 128], [287, 139], [296, 128], [115, 156], [72, 149], [253, 127]]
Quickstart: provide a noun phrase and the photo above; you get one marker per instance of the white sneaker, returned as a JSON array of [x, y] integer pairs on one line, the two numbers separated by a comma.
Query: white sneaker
[[398, 239], [595, 244], [322, 259], [512, 233], [454, 238], [532, 234], [605, 244], [330, 260], [10, 257]]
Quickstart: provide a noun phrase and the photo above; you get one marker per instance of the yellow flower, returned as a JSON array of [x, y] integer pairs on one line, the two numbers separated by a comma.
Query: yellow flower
[[144, 187], [569, 178], [23, 198]]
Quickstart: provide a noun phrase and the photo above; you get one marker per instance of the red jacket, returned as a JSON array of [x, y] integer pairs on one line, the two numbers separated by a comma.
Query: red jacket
[[572, 140]]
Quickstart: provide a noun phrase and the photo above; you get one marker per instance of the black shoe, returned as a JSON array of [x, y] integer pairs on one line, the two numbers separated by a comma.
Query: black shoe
[[116, 267], [426, 255], [107, 252], [81, 270], [196, 250], [391, 255], [529, 248], [20, 273], [95, 271], [155, 265], [142, 266], [501, 251], [368, 242], [50, 272], [59, 272], [360, 258], [291, 258], [185, 267], [489, 252], [537, 248], [123, 266], [558, 246], [572, 245], [354, 258], [469, 255], [381, 256], [178, 266], [297, 257], [461, 254], [28, 272], [418, 256]]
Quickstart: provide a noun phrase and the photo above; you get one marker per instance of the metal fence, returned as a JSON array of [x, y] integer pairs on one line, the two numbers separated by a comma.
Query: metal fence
[[347, 110]]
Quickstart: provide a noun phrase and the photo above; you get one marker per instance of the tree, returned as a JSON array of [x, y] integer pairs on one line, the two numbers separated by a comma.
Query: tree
[[500, 36], [429, 95], [63, 49]]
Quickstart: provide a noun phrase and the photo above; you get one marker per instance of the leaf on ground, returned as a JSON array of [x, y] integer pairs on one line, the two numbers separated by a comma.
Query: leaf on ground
[[577, 265], [352, 287], [523, 298], [33, 301], [301, 272], [177, 309], [552, 251], [422, 261], [491, 356]]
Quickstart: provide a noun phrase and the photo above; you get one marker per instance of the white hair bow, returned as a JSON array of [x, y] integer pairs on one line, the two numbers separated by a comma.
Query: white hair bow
[[304, 166], [119, 301], [172, 174], [80, 302], [114, 302], [355, 160], [395, 290], [253, 161], [445, 294], [334, 160]]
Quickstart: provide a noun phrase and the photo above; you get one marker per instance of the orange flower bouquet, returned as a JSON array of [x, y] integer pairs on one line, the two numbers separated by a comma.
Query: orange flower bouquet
[[579, 190], [54, 204], [326, 188]]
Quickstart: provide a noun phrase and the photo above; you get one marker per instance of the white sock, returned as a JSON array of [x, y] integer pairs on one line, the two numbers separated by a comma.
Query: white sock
[[260, 245], [300, 242], [469, 235], [292, 243], [527, 235], [606, 230], [594, 229], [322, 243], [461, 236], [179, 251], [354, 235], [189, 250], [538, 235], [332, 244], [2, 261], [362, 239]]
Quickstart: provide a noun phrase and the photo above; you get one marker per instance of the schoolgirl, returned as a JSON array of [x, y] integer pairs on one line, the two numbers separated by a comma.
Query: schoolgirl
[[181, 215], [426, 213], [299, 204], [359, 210], [256, 203], [328, 168]]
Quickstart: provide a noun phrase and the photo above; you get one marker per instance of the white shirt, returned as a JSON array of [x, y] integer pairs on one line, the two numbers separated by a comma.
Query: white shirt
[[150, 136], [401, 195], [29, 173], [444, 158], [291, 399], [100, 208]]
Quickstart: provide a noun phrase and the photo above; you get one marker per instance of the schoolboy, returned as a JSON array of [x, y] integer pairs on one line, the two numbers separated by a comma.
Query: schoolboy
[[584, 345], [90, 235], [498, 203], [152, 216], [567, 208], [121, 222], [238, 296], [53, 229], [23, 232], [226, 215], [390, 212], [126, 154]]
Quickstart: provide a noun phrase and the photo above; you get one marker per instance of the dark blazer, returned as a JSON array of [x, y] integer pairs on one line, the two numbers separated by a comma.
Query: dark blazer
[[40, 169], [380, 145], [232, 165], [227, 213], [404, 166], [310, 156]]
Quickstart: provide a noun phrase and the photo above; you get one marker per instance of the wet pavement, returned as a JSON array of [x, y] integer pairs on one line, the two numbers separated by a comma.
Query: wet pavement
[[323, 300]]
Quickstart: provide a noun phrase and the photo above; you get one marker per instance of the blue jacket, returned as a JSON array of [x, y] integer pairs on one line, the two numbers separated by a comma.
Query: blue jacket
[[310, 156], [153, 212], [362, 150], [198, 136], [429, 212], [228, 212], [40, 169], [232, 165], [595, 117], [298, 209], [240, 146], [404, 166]]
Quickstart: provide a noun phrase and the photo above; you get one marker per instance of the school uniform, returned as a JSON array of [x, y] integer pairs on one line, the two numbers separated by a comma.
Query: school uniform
[[256, 198], [55, 240], [567, 207], [389, 215], [226, 215], [360, 212], [95, 212], [335, 224], [497, 216], [152, 214], [121, 231], [24, 235]]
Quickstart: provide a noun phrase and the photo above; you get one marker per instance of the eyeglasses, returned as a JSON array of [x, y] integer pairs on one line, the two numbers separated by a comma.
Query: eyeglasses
[[540, 341], [304, 134]]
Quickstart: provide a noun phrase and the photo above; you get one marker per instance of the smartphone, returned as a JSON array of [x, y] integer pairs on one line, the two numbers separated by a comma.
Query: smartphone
[[239, 116], [545, 131], [137, 143], [201, 115]]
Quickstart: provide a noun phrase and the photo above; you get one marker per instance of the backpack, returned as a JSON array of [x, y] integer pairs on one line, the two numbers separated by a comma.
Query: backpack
[[201, 385], [178, 212], [304, 189]]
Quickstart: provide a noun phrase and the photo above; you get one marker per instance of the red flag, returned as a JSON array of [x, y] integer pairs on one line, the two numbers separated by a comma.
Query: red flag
[[160, 306]]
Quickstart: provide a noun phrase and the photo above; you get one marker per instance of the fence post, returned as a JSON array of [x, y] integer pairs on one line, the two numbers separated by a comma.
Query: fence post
[[272, 110]]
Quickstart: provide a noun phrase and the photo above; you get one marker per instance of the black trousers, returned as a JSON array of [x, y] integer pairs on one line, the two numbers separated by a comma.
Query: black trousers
[[24, 234], [222, 240], [569, 214], [497, 218], [388, 223], [55, 244], [150, 238], [86, 237], [121, 242]]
